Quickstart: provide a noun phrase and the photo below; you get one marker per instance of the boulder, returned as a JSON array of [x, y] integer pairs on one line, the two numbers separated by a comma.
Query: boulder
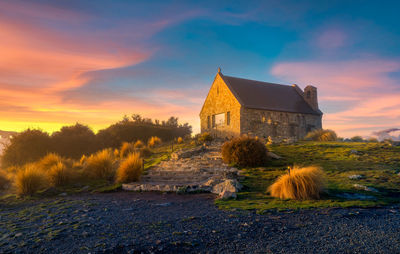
[[273, 156], [364, 188], [227, 194], [228, 186], [356, 177]]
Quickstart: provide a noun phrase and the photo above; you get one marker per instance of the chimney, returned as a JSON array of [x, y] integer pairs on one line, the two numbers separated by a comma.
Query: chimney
[[310, 95]]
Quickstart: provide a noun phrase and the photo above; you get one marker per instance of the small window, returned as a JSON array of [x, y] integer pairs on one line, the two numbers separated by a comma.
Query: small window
[[292, 130], [213, 121], [208, 122], [228, 118], [275, 130]]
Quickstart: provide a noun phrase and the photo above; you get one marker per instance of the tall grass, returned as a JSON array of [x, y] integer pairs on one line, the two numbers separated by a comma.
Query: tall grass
[[179, 140], [130, 169], [29, 180], [126, 148], [153, 141], [321, 135], [100, 165], [59, 175], [300, 183], [138, 144], [49, 161]]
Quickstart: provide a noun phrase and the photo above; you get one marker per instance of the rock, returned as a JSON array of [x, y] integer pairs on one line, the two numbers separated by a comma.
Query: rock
[[356, 177], [273, 156], [364, 188], [355, 152], [227, 194], [163, 204], [182, 154], [226, 188], [85, 188], [64, 194]]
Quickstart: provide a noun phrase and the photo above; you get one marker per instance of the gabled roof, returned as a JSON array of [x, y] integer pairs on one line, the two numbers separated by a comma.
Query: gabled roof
[[268, 96]]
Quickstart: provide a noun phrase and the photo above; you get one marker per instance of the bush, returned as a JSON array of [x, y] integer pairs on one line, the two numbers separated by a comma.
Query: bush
[[153, 141], [4, 180], [130, 169], [373, 140], [126, 149], [179, 140], [138, 144], [205, 137], [49, 161], [59, 175], [299, 183], [29, 180], [100, 165], [357, 139], [321, 135], [25, 147], [244, 151]]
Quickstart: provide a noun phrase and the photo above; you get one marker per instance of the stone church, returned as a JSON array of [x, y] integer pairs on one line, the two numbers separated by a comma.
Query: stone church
[[236, 106]]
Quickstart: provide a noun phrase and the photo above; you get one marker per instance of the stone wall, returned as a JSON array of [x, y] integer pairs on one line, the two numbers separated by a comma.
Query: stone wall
[[220, 100], [278, 125]]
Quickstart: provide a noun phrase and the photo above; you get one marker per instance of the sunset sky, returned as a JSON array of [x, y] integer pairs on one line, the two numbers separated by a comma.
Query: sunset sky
[[91, 62]]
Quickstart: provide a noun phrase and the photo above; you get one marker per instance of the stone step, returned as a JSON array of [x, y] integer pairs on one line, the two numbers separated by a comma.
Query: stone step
[[174, 179], [162, 186]]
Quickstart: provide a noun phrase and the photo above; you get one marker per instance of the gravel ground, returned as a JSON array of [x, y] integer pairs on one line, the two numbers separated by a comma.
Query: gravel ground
[[126, 222]]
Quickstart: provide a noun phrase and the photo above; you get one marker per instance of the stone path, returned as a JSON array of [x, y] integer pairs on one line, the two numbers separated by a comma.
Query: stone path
[[194, 170]]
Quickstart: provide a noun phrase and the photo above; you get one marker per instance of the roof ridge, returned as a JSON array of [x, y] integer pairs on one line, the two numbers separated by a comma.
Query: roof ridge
[[270, 83]]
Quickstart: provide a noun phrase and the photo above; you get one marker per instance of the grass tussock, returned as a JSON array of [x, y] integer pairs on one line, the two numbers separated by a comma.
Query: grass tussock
[[100, 165], [179, 140], [5, 181], [130, 169], [29, 180], [126, 149], [138, 144], [59, 175], [48, 161], [321, 135], [300, 184], [154, 141], [244, 151]]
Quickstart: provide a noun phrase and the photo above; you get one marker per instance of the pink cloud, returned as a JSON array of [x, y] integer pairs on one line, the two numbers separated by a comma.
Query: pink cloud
[[331, 39], [374, 94]]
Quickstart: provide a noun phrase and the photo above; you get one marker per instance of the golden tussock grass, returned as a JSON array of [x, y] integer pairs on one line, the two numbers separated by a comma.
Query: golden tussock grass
[[59, 175], [179, 140], [126, 148], [100, 165], [48, 161], [29, 180], [138, 144], [301, 184], [130, 169], [321, 135], [153, 141]]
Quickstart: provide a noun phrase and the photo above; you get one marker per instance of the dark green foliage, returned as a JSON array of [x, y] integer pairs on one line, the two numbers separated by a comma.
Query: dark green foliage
[[357, 139], [204, 137], [74, 141], [244, 152], [321, 135], [27, 146]]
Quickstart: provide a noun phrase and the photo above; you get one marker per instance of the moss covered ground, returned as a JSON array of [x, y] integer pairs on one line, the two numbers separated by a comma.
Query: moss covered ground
[[379, 163]]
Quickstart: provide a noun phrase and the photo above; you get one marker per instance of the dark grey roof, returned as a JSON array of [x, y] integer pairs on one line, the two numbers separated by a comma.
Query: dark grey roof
[[268, 96]]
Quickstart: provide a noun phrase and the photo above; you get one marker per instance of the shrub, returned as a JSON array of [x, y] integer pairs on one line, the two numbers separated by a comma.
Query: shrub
[[100, 165], [29, 180], [145, 152], [4, 180], [49, 161], [25, 147], [138, 144], [205, 137], [179, 140], [357, 139], [59, 175], [130, 169], [299, 183], [126, 148], [244, 151], [373, 140], [321, 135], [153, 141]]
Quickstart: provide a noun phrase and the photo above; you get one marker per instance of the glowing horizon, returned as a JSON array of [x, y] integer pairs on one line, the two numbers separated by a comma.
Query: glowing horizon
[[92, 63]]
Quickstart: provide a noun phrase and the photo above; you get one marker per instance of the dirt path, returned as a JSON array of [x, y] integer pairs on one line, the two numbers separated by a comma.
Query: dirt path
[[127, 222]]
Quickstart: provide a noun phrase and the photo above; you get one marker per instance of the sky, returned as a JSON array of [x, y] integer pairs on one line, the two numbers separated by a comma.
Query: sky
[[92, 62]]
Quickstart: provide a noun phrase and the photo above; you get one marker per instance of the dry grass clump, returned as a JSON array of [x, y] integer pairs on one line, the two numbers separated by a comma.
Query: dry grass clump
[[321, 135], [130, 169], [153, 141], [59, 175], [126, 148], [300, 183], [49, 161], [4, 180], [179, 140], [138, 144], [29, 180], [100, 165], [244, 151], [205, 137]]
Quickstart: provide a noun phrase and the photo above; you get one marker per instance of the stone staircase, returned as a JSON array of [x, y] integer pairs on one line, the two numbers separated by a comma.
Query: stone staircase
[[198, 169]]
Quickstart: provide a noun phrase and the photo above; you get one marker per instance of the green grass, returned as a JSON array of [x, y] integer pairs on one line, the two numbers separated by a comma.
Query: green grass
[[378, 162]]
